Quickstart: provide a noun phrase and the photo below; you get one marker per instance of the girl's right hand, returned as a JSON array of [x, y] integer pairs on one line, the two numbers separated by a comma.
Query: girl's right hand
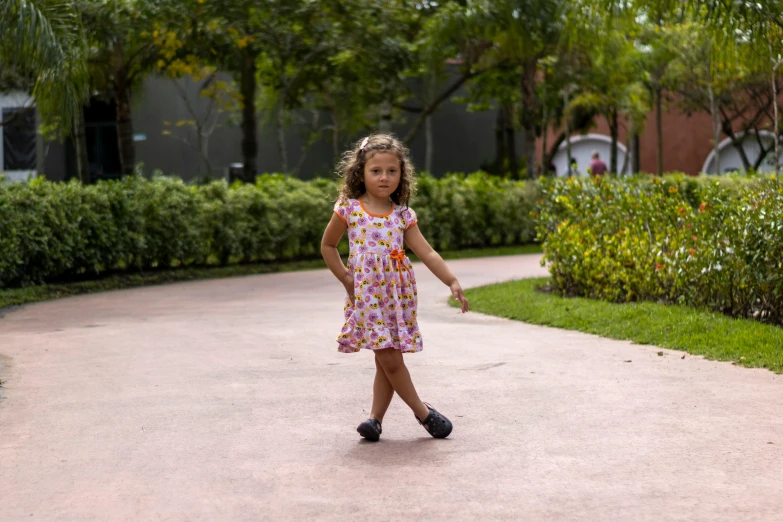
[[348, 284]]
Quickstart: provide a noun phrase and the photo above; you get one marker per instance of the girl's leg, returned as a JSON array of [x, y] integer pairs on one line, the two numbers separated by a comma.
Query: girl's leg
[[397, 373], [382, 393]]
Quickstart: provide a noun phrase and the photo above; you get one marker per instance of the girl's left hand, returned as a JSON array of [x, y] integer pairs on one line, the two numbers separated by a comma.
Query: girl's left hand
[[459, 295]]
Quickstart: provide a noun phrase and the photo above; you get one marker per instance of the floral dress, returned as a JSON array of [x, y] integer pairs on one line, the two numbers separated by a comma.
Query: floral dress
[[383, 314]]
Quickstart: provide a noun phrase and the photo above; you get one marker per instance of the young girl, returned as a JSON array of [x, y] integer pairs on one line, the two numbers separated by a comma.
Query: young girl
[[380, 306]]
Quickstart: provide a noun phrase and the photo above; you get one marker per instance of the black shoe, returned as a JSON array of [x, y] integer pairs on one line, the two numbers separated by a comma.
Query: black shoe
[[436, 424], [370, 430]]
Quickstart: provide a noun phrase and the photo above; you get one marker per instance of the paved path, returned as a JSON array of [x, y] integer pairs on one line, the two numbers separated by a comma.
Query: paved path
[[227, 400]]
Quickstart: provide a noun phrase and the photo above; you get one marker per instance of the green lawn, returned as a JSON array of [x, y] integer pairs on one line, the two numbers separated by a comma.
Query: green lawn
[[712, 335], [31, 294]]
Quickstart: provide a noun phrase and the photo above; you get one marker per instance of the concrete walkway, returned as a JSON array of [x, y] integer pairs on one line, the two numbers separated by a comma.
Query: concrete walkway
[[227, 400]]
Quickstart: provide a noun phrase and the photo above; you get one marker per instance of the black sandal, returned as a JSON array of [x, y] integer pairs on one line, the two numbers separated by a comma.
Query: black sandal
[[436, 424], [370, 429]]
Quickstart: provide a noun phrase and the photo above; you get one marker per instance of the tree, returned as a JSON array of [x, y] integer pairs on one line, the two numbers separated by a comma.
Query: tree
[[121, 53], [361, 69], [659, 40], [297, 34], [758, 23], [228, 35], [727, 82], [562, 75], [447, 38], [611, 83], [196, 131], [277, 51], [317, 45], [43, 43], [520, 34]]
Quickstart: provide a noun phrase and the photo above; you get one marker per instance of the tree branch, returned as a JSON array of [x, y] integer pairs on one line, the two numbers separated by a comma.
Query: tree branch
[[408, 108], [431, 107]]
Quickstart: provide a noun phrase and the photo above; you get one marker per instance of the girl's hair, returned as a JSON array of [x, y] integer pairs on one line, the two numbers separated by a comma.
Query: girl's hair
[[351, 168]]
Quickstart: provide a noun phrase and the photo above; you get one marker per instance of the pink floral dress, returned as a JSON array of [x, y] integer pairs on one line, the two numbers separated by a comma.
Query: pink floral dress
[[384, 313]]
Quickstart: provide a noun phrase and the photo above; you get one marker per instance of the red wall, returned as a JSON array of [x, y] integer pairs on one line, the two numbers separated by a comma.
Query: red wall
[[687, 141]]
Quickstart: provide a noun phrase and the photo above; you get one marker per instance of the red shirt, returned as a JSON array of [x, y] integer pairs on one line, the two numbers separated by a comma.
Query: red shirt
[[597, 167]]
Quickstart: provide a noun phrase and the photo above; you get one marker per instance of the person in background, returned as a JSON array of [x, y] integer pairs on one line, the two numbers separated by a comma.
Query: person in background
[[597, 167]]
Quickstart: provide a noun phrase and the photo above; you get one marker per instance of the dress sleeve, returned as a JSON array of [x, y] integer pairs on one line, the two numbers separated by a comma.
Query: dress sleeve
[[409, 218], [343, 209]]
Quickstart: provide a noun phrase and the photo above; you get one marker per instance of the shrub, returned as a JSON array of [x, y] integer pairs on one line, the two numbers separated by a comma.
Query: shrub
[[64, 230], [714, 243]]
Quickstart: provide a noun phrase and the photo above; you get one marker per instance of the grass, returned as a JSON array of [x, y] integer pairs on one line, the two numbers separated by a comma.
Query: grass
[[32, 294], [715, 336]]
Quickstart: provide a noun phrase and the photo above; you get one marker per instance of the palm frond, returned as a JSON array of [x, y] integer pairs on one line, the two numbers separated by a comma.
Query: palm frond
[[43, 40]]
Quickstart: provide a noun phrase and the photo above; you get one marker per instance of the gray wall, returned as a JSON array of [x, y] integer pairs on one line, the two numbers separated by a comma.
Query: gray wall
[[463, 141]]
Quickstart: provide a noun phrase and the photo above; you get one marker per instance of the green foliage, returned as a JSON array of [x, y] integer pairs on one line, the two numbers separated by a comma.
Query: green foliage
[[43, 46], [60, 231], [716, 244], [476, 210]]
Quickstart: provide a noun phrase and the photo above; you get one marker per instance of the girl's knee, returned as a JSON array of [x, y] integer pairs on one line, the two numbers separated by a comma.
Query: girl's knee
[[389, 359]]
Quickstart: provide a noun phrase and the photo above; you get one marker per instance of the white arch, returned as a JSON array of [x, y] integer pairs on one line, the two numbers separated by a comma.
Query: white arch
[[727, 143], [582, 146]]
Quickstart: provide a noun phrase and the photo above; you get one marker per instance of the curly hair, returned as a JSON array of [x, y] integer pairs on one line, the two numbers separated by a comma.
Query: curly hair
[[351, 167]]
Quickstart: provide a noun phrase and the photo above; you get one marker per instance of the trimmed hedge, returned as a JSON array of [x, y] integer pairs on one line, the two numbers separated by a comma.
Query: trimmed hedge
[[709, 243], [54, 231]]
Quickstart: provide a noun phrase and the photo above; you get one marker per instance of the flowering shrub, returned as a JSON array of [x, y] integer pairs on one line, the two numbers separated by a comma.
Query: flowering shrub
[[715, 243], [61, 230]]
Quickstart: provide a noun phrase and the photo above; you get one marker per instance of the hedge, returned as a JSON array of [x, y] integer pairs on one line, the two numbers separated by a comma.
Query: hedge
[[57, 231], [711, 243]]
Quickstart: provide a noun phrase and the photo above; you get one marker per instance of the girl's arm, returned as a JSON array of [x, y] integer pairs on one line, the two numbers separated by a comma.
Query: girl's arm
[[435, 263], [332, 236]]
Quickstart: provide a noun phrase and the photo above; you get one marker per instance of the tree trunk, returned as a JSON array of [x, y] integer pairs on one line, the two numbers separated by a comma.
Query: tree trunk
[[204, 151], [80, 147], [430, 107], [628, 149], [659, 126], [777, 122], [715, 127], [513, 164], [776, 64], [529, 106], [335, 139], [614, 130], [281, 145], [385, 125], [569, 169], [628, 164], [247, 92], [636, 166], [511, 148], [529, 140], [429, 145], [127, 148], [737, 144], [762, 156], [500, 142], [544, 133], [550, 154]]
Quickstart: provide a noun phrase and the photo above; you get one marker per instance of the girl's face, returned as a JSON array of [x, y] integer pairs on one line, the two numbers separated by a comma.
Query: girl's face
[[382, 174]]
